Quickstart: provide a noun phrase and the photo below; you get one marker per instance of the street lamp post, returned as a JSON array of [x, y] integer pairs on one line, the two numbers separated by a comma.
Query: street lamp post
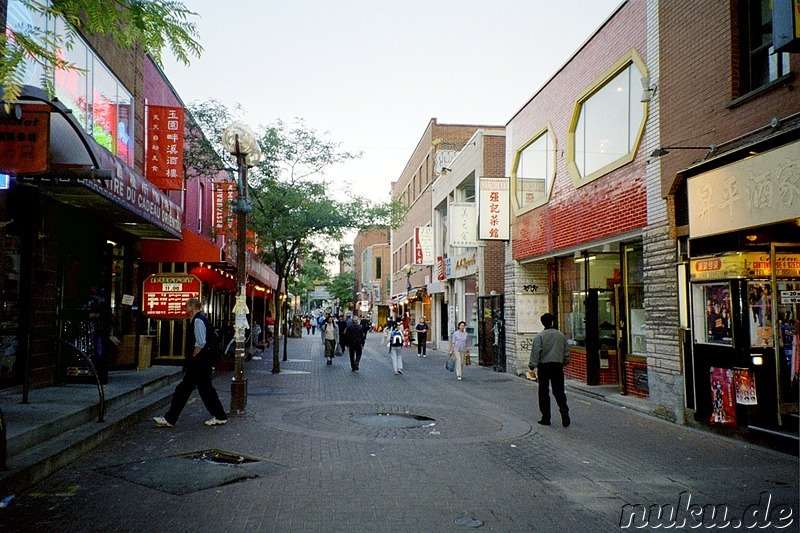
[[240, 141]]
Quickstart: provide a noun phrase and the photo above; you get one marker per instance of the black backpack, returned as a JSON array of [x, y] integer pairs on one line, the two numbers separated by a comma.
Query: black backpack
[[213, 347], [397, 338], [354, 334]]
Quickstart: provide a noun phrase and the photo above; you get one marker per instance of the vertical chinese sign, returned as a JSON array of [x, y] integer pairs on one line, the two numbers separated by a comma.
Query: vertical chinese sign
[[423, 245], [164, 167], [462, 229], [494, 220]]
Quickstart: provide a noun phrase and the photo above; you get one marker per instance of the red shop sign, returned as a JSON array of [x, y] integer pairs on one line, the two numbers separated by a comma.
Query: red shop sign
[[165, 295]]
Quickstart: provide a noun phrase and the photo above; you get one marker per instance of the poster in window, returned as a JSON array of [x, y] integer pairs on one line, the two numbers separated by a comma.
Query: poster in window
[[759, 302], [745, 381], [718, 327], [723, 408]]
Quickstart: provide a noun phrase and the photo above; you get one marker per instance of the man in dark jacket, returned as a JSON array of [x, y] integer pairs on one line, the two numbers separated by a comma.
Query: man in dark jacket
[[197, 372], [354, 340], [549, 354]]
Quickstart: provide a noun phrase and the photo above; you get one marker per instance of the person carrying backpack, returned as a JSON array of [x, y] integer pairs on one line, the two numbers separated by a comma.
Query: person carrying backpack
[[197, 371], [396, 341], [354, 340]]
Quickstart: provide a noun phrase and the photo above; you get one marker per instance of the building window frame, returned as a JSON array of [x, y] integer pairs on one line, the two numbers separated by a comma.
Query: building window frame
[[630, 60], [547, 135], [760, 68]]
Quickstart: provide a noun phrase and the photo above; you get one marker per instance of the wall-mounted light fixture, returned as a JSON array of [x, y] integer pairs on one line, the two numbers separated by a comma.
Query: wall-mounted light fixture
[[648, 91]]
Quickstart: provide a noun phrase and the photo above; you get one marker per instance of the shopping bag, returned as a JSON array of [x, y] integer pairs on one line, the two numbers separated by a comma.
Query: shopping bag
[[450, 364]]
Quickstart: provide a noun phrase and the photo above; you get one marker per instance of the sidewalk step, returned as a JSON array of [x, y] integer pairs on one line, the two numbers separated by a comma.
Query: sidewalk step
[[42, 448]]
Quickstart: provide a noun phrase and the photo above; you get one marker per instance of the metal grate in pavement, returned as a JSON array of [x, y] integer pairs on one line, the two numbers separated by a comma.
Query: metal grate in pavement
[[192, 472]]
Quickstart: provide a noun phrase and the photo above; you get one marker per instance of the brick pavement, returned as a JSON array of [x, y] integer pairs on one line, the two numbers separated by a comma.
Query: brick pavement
[[485, 458]]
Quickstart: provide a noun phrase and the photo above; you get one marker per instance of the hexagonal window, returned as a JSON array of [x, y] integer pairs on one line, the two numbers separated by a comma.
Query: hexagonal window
[[534, 170]]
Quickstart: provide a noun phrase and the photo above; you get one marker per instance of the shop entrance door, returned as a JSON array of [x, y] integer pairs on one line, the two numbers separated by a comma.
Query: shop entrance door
[[786, 311], [601, 333], [492, 332]]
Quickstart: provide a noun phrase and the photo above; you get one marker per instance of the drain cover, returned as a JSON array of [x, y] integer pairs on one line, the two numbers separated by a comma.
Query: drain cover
[[393, 420], [203, 470]]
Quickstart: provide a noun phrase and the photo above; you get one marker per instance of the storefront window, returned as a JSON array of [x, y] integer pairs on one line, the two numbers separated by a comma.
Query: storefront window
[[759, 303], [634, 264], [572, 301], [711, 304], [72, 85], [9, 309], [471, 307]]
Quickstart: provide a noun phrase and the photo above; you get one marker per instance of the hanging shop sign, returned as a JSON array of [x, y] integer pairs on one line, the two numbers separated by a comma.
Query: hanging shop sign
[[462, 225], [165, 295], [494, 220], [25, 142], [224, 193], [423, 245], [164, 167], [744, 265]]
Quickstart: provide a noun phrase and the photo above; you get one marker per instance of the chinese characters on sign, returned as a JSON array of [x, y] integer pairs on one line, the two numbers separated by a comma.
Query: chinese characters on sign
[[25, 143], [495, 216], [164, 166], [423, 245], [756, 191], [462, 225], [165, 295]]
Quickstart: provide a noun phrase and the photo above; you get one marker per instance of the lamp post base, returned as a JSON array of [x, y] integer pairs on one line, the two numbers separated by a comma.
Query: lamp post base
[[238, 396]]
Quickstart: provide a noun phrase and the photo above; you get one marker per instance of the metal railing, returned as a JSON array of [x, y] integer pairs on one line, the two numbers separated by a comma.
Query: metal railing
[[101, 407]]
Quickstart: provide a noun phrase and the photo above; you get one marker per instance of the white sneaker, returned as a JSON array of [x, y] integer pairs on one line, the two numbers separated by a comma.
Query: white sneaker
[[161, 422], [216, 422]]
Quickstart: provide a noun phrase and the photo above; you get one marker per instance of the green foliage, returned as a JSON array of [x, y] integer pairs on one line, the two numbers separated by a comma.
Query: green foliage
[[151, 24], [342, 286]]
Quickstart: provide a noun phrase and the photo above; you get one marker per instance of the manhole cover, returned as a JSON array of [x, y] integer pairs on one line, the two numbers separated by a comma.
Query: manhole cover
[[192, 472], [393, 420]]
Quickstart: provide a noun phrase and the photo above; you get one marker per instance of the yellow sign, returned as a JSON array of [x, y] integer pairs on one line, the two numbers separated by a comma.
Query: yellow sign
[[744, 265]]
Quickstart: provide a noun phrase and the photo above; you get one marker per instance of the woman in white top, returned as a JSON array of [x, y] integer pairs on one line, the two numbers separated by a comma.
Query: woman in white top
[[459, 344]]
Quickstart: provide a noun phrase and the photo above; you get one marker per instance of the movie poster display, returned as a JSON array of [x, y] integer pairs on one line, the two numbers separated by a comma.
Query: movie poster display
[[712, 308], [723, 407]]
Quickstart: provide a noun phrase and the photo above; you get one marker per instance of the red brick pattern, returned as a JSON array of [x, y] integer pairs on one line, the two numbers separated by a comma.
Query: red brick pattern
[[612, 204]]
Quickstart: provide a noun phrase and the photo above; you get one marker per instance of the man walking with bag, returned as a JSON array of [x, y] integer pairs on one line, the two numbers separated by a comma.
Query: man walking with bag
[[549, 354], [197, 372]]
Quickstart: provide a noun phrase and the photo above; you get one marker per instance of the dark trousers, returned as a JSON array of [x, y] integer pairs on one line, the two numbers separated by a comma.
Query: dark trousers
[[551, 373], [195, 376], [422, 342], [355, 355]]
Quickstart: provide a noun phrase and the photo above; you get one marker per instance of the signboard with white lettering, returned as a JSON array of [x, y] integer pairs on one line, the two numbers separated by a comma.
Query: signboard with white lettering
[[423, 245], [165, 295]]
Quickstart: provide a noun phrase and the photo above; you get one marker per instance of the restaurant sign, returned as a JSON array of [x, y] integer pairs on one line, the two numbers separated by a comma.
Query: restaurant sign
[[165, 295], [752, 265]]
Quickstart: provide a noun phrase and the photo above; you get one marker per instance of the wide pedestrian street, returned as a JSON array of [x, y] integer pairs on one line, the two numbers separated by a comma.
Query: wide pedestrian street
[[323, 448]]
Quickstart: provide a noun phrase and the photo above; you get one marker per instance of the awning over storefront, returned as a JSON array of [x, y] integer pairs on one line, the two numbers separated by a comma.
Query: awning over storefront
[[192, 248], [86, 175], [255, 268]]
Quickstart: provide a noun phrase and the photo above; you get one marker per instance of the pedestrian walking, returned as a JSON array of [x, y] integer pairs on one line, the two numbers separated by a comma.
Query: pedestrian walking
[[422, 338], [197, 372], [396, 341], [549, 354], [354, 340], [330, 333], [459, 345]]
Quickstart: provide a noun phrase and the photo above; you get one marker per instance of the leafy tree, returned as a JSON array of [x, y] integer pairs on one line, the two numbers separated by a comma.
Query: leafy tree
[[151, 24], [342, 287], [311, 273]]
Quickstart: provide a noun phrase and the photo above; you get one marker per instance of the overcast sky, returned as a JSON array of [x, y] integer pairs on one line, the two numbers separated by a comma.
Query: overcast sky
[[371, 73]]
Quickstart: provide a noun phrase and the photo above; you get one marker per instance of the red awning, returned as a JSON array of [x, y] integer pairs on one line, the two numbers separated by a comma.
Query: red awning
[[191, 249]]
